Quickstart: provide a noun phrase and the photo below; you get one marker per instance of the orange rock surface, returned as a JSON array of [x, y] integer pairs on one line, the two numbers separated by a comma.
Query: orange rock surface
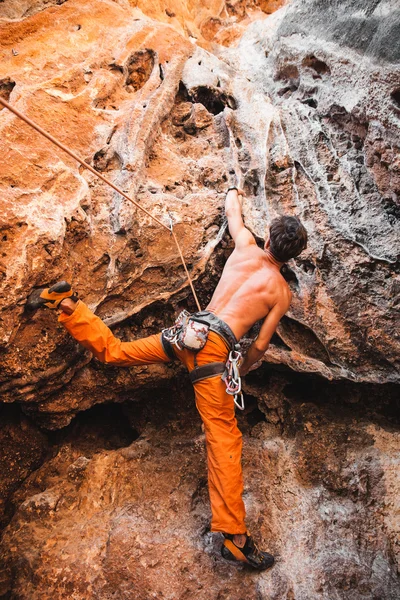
[[104, 484]]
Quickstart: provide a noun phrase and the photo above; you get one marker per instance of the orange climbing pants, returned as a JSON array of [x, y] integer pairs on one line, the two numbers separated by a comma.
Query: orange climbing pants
[[216, 407]]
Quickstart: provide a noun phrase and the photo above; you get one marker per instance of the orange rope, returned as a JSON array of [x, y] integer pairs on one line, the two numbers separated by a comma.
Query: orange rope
[[186, 270], [107, 181]]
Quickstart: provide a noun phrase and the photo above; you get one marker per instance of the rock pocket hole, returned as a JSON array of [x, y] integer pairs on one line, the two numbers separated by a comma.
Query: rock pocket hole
[[287, 90], [106, 160], [139, 67], [276, 340], [252, 182], [303, 339], [6, 87], [290, 276], [183, 94], [252, 415], [395, 96], [255, 416], [307, 266], [318, 66], [102, 427], [213, 99], [289, 74], [311, 102]]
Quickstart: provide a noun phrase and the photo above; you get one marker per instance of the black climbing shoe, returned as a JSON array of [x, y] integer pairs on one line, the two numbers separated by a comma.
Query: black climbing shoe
[[50, 297], [249, 554]]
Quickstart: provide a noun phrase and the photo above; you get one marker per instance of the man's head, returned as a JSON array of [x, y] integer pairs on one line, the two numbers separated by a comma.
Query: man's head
[[287, 238]]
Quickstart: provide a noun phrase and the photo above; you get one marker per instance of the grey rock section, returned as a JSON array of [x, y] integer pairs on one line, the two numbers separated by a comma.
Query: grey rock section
[[332, 157], [371, 27]]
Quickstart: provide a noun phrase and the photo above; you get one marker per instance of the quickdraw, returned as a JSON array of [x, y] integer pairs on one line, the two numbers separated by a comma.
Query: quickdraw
[[231, 378]]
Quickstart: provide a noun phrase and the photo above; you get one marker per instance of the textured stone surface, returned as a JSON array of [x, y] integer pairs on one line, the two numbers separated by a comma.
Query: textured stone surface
[[106, 517], [334, 158], [169, 101], [22, 450], [206, 23]]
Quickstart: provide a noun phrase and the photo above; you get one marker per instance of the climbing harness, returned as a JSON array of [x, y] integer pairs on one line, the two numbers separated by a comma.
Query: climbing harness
[[191, 332], [108, 182]]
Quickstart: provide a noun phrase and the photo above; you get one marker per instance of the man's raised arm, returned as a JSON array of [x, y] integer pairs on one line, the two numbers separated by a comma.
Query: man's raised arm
[[233, 210]]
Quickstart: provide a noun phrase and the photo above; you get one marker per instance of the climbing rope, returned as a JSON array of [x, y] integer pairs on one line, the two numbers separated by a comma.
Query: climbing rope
[[107, 181]]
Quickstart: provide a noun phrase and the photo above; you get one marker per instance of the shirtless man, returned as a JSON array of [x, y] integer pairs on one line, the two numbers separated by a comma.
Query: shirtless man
[[251, 288]]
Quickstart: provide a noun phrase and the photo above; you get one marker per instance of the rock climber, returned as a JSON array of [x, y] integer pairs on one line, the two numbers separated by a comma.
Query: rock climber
[[251, 288]]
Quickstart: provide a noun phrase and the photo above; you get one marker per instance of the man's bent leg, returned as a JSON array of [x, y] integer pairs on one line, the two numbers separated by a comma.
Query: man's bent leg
[[90, 331], [224, 451]]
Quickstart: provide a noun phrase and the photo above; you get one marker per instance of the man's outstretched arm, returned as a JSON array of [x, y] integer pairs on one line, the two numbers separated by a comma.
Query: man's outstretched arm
[[233, 210], [258, 348]]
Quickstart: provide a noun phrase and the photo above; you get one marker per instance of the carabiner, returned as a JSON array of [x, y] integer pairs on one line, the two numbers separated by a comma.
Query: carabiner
[[241, 406]]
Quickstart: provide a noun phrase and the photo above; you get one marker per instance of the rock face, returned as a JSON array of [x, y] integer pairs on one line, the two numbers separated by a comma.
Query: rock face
[[334, 158], [106, 517], [172, 101], [22, 449]]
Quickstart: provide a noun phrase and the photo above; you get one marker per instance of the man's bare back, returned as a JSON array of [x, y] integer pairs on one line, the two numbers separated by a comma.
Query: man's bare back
[[248, 289], [251, 286]]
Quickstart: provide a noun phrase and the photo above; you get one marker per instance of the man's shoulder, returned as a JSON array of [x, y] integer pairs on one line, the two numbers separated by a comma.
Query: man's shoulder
[[286, 295], [282, 292], [250, 245], [285, 286]]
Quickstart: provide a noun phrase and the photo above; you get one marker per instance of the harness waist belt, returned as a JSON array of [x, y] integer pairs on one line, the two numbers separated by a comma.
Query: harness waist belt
[[206, 371], [217, 325]]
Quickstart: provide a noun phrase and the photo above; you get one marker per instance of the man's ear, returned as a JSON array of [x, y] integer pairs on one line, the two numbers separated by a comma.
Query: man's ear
[[267, 242]]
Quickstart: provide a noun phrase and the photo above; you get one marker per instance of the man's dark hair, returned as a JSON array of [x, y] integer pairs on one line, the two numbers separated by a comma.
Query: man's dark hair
[[288, 238]]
